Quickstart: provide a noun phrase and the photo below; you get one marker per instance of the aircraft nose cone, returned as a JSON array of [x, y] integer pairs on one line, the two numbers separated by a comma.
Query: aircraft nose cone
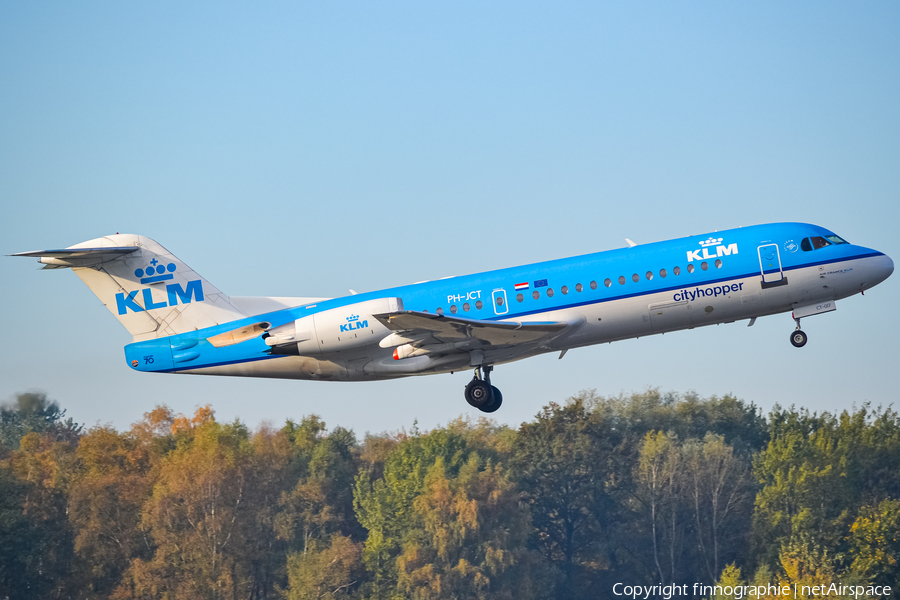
[[882, 267], [888, 266]]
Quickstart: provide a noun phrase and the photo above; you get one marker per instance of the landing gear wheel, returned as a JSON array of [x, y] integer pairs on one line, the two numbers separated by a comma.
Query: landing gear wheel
[[478, 394], [798, 339], [496, 401]]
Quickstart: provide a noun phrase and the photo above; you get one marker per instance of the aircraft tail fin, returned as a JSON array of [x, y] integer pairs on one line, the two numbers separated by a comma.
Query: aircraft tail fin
[[147, 288]]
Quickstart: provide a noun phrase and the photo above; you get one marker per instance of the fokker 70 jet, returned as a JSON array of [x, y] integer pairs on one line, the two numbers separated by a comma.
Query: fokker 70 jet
[[181, 323]]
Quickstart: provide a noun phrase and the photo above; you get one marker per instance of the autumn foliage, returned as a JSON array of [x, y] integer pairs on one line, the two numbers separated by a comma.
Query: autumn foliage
[[648, 489]]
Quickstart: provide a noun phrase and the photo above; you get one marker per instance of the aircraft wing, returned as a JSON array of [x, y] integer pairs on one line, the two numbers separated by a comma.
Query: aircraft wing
[[419, 327]]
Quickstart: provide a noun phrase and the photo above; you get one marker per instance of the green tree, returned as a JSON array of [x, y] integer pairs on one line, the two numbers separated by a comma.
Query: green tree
[[316, 516], [21, 553], [270, 475], [719, 489], [325, 571], [730, 579], [321, 502], [569, 467], [472, 537], [818, 471], [806, 564], [33, 412], [875, 543], [44, 468], [742, 425], [661, 485], [384, 506]]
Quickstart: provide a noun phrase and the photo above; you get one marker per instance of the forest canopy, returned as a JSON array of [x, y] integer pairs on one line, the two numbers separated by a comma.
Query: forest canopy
[[646, 489]]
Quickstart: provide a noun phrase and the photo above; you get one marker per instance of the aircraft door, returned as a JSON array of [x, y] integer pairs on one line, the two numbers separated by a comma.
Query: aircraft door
[[498, 298], [770, 265]]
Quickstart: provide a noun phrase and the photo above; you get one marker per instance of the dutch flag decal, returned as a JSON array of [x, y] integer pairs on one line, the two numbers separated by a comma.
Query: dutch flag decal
[[521, 286]]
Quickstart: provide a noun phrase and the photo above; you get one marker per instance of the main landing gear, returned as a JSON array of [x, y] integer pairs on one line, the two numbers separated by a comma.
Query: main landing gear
[[481, 394], [798, 338]]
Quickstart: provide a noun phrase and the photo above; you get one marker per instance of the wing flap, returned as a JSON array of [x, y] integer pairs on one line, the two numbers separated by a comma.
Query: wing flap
[[447, 329]]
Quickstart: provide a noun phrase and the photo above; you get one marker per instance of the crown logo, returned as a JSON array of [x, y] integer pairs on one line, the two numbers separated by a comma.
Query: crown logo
[[352, 318], [711, 242], [155, 271]]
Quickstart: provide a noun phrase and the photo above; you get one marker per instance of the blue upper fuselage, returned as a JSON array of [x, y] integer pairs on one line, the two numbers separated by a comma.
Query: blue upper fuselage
[[575, 281]]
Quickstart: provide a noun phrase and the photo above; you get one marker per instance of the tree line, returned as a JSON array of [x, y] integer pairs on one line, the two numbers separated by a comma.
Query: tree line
[[644, 489]]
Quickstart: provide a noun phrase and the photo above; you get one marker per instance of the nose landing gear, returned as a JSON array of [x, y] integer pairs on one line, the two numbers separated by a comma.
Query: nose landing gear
[[481, 394], [798, 338]]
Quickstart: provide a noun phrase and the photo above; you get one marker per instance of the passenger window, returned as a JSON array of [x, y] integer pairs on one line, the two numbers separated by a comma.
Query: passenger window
[[440, 311], [578, 287], [607, 282], [805, 245], [662, 273], [635, 278], [649, 275], [549, 292], [704, 266], [621, 280], [718, 263], [535, 294], [520, 297], [466, 307], [690, 268], [453, 308], [499, 300], [593, 285], [677, 270], [564, 290], [479, 304]]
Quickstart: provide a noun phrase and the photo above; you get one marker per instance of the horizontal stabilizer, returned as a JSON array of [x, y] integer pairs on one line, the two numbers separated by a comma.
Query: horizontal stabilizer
[[78, 257], [448, 329], [63, 253]]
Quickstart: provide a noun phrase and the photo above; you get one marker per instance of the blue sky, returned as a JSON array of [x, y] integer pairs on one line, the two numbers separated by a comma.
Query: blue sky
[[308, 148]]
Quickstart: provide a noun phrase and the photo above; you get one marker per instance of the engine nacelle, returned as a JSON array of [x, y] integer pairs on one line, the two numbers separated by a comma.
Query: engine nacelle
[[334, 330]]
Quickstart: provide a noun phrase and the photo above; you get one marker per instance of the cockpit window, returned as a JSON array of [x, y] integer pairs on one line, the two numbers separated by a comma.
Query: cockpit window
[[836, 239], [819, 242]]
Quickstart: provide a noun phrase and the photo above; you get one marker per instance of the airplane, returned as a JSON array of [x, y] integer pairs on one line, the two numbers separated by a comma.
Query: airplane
[[181, 323]]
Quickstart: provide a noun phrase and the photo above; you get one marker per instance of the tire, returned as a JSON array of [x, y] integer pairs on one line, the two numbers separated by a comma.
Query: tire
[[496, 401], [478, 394], [799, 339]]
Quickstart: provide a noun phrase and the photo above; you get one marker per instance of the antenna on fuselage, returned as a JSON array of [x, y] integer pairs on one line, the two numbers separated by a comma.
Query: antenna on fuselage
[[630, 243]]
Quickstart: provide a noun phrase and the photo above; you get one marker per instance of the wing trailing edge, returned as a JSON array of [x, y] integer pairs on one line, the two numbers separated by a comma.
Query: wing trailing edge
[[447, 329]]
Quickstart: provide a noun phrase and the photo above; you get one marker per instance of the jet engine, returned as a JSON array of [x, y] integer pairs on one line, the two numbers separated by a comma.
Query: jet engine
[[334, 330]]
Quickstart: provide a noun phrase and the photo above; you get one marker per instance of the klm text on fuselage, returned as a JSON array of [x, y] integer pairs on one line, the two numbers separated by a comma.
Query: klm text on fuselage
[[703, 253]]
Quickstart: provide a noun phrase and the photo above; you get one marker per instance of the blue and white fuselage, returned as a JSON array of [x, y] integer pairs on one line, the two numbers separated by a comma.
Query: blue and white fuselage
[[182, 324]]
